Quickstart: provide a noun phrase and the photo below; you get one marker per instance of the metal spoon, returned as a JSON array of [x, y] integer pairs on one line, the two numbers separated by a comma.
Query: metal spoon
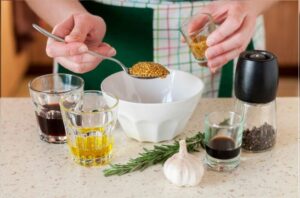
[[59, 39]]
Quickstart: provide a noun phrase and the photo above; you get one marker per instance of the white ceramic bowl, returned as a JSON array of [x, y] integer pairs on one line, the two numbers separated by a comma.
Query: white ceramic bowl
[[154, 110]]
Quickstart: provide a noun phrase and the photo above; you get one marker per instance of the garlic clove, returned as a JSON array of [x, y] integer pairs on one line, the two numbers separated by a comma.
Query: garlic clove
[[183, 169]]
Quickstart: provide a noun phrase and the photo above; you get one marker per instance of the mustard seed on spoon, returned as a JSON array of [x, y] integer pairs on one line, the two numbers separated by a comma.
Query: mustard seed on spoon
[[142, 70], [148, 70]]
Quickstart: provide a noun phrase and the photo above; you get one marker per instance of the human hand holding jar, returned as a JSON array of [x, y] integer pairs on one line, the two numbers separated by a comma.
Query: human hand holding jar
[[236, 24]]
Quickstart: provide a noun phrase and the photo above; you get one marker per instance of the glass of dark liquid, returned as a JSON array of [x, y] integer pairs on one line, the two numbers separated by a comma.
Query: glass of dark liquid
[[46, 92], [223, 139]]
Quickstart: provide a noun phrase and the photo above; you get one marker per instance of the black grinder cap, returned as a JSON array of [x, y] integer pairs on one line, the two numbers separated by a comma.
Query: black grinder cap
[[256, 77]]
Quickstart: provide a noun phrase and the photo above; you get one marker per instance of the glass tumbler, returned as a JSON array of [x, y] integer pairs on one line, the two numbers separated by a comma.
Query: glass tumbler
[[195, 31], [45, 92], [223, 139], [89, 119]]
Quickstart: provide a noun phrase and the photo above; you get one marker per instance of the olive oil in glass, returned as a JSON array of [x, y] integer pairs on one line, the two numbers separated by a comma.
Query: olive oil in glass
[[89, 124], [91, 147]]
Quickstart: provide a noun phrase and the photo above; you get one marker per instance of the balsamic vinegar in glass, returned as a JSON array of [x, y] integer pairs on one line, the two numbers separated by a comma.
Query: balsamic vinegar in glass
[[50, 120], [222, 147]]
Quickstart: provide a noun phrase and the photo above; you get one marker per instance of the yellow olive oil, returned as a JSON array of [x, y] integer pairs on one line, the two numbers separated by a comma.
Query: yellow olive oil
[[91, 146]]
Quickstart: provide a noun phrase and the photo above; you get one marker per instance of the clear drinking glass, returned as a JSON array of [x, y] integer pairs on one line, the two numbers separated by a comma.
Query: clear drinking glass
[[45, 92], [195, 35], [223, 139], [89, 119]]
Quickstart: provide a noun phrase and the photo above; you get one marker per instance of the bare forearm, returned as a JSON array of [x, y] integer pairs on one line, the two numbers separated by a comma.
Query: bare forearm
[[55, 11]]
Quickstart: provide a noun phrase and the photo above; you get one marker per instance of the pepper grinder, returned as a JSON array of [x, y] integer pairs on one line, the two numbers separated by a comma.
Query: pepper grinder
[[256, 82]]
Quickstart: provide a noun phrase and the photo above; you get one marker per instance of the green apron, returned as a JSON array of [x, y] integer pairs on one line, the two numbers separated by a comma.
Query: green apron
[[129, 31]]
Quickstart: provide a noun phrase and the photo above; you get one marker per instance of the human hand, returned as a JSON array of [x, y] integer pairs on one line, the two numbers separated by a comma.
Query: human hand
[[81, 32], [236, 21]]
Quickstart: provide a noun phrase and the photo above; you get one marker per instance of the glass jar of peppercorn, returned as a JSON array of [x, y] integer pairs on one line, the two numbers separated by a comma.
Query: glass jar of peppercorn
[[256, 81]]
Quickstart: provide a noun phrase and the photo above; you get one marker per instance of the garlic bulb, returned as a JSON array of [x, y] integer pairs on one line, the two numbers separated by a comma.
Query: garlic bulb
[[183, 169]]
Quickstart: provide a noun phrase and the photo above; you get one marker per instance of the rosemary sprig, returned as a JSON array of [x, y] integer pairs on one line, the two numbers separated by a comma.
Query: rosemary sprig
[[159, 154]]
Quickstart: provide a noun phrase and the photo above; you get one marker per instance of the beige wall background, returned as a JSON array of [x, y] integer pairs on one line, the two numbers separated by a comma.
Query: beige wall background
[[281, 23], [13, 65]]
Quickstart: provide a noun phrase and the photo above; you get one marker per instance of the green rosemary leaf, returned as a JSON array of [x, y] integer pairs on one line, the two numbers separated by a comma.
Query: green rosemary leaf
[[158, 155]]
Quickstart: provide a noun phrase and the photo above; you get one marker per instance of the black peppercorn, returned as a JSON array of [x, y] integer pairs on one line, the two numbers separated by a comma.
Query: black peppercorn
[[259, 139]]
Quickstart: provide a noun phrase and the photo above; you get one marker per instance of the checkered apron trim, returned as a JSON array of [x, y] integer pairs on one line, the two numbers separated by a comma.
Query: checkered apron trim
[[168, 48]]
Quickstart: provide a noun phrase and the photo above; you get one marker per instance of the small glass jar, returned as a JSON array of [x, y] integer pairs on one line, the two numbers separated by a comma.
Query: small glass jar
[[259, 125], [196, 36]]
